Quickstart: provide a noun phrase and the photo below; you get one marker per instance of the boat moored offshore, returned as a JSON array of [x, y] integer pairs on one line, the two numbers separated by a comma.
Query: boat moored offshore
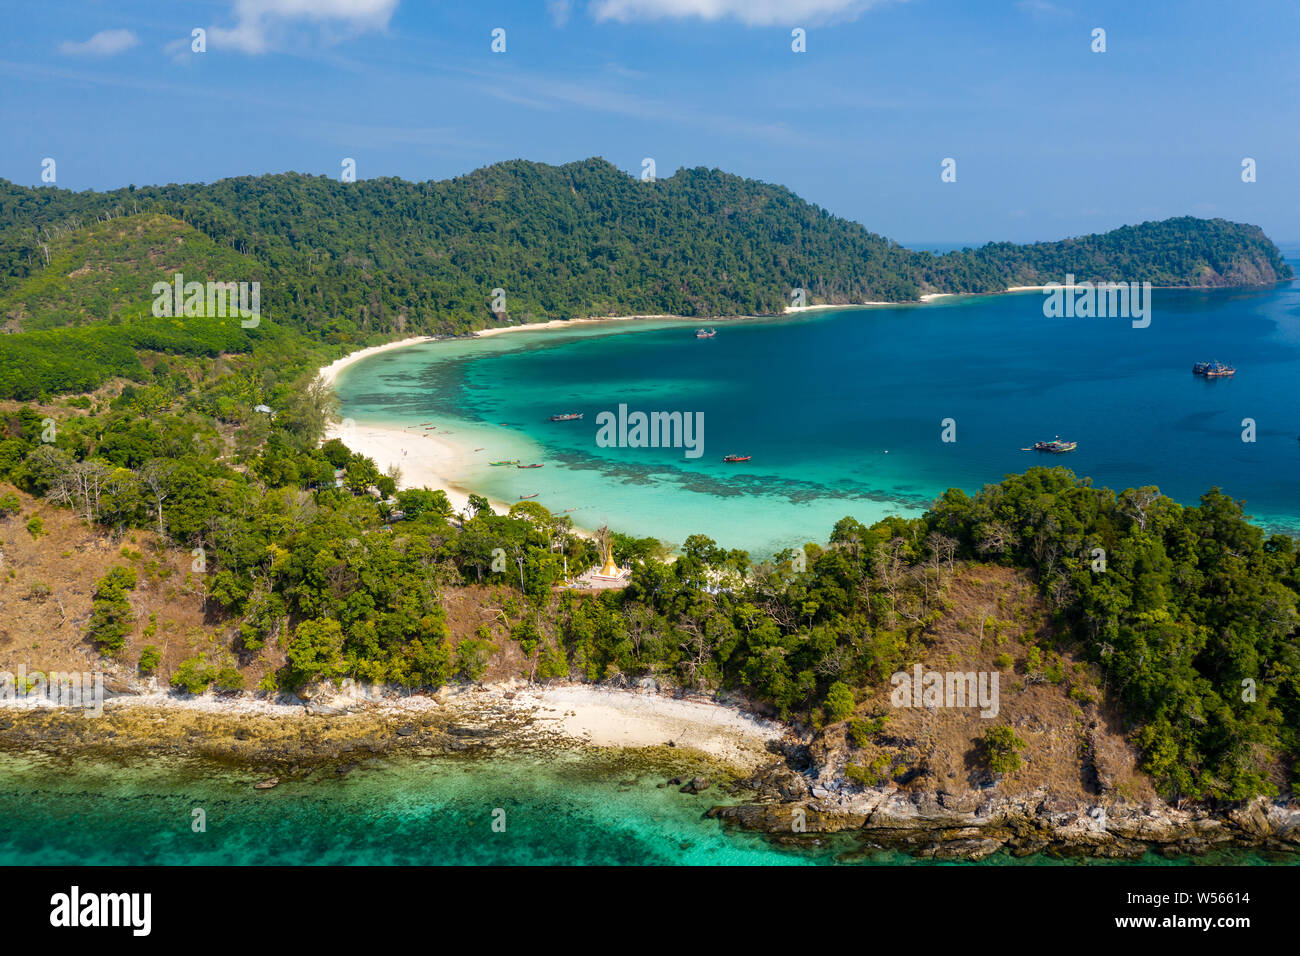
[[1055, 446], [1213, 370]]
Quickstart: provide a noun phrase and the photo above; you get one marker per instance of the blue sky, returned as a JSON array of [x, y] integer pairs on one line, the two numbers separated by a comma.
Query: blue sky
[[1050, 138]]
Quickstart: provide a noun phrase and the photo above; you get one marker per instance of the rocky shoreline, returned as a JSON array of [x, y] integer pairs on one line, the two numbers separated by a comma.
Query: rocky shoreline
[[972, 826], [338, 729], [782, 793]]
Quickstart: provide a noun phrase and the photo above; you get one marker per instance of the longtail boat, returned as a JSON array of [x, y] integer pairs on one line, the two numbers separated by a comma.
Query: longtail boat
[[1213, 370], [1055, 446], [526, 497], [736, 458], [512, 461], [567, 417], [529, 466]]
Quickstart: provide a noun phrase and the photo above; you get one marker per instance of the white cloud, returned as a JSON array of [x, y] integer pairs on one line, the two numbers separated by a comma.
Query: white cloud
[[546, 93], [1042, 8], [750, 12], [560, 11], [261, 24], [103, 43]]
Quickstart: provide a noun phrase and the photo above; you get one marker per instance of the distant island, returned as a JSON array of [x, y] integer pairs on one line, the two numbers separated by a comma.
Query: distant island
[[345, 263]]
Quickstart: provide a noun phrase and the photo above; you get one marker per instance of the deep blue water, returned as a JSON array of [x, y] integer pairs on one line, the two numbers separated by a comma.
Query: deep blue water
[[842, 410]]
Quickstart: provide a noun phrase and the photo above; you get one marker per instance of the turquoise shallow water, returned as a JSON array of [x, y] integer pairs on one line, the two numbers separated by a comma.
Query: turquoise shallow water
[[389, 812], [569, 810], [842, 410]]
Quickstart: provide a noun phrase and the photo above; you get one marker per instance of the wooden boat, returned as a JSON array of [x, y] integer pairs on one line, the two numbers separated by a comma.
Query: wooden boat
[[526, 497], [529, 466], [705, 333], [735, 458], [1055, 446], [512, 461], [567, 417], [1213, 370]]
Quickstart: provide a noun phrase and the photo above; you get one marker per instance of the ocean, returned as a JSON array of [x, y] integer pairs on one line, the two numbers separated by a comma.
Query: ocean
[[575, 808], [845, 411]]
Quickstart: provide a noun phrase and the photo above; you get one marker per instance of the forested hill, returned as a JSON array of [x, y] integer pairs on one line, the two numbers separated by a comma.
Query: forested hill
[[385, 255]]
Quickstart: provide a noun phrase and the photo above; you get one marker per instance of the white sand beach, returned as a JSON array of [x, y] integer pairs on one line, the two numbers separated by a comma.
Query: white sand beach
[[607, 717], [570, 323], [928, 297], [793, 309], [330, 373], [426, 459]]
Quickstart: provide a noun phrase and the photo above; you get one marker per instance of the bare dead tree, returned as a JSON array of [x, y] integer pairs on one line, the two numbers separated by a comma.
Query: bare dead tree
[[1060, 591], [1136, 504], [995, 538], [154, 475], [891, 567], [81, 487], [699, 649]]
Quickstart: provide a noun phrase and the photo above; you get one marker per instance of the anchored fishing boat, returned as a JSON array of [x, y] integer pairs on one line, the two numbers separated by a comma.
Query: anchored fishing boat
[[512, 461], [526, 497], [529, 466], [1213, 370], [735, 458], [1055, 446], [705, 333], [567, 417]]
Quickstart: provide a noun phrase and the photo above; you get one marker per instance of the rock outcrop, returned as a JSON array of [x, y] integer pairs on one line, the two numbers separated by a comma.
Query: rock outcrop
[[971, 826]]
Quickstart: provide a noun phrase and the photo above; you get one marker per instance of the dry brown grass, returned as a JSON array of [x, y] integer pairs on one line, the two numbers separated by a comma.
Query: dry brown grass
[[47, 586], [1074, 744]]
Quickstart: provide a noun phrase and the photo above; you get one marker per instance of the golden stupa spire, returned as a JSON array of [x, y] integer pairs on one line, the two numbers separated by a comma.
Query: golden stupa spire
[[605, 541]]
